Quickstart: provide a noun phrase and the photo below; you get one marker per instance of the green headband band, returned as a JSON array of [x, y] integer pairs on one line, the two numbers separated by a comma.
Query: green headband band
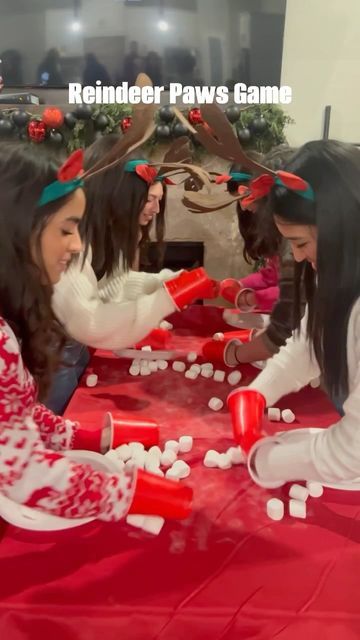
[[57, 189]]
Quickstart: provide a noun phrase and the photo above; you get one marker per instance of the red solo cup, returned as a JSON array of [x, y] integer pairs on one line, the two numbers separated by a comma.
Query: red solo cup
[[157, 339], [158, 496], [247, 410], [189, 286], [88, 438], [215, 351], [244, 335], [125, 428], [230, 289]]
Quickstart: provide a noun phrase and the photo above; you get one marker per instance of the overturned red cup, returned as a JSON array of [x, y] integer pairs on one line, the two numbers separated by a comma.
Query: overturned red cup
[[89, 439], [247, 411], [244, 335], [125, 428], [216, 351], [158, 496], [188, 286]]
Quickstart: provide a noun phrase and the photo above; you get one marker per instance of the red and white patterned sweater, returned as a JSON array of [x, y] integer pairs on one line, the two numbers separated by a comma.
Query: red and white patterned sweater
[[32, 471]]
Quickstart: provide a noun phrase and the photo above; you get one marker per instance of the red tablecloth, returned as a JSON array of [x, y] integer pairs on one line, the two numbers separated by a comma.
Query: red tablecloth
[[226, 573]]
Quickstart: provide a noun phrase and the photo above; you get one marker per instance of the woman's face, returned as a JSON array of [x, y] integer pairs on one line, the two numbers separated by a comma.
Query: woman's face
[[152, 205], [60, 239], [302, 238]]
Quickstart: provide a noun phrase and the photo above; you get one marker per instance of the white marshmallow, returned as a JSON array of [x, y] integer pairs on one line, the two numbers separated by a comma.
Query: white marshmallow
[[153, 524], [195, 367], [211, 459], [146, 348], [236, 455], [155, 470], [315, 383], [168, 458], [134, 371], [138, 458], [91, 380], [153, 365], [172, 475], [275, 509], [162, 364], [192, 356], [129, 465], [207, 365], [297, 508], [224, 461], [123, 452], [179, 366], [315, 489], [274, 414], [181, 469], [207, 373], [173, 445], [218, 336], [112, 455], [154, 452], [288, 416], [136, 446], [190, 374], [298, 492], [135, 520], [234, 377], [215, 404], [144, 370], [185, 444], [219, 376], [164, 324]]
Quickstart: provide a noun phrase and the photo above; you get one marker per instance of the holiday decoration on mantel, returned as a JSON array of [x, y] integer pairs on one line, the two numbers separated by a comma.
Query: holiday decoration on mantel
[[259, 127]]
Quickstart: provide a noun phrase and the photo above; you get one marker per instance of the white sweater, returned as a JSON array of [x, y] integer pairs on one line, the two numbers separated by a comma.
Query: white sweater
[[115, 312], [330, 456]]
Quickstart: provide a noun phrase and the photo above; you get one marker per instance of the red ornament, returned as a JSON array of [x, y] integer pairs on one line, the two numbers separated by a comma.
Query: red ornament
[[37, 130], [126, 123], [195, 117], [53, 117]]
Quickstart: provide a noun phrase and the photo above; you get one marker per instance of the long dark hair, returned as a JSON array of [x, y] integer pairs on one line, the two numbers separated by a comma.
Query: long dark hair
[[333, 170], [25, 293], [115, 199], [258, 231]]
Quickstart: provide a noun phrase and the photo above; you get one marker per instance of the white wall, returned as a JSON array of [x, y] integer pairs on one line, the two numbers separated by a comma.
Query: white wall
[[321, 62]]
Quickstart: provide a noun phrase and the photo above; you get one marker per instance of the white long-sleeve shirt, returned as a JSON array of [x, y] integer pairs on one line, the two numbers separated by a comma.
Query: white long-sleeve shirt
[[115, 312], [333, 455]]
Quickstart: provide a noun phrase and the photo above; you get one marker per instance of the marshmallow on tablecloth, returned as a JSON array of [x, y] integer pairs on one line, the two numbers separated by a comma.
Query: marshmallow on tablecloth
[[173, 445], [123, 452], [135, 520], [288, 416], [191, 374], [298, 492], [153, 366], [195, 367], [146, 348], [274, 414], [185, 444], [191, 356], [154, 452], [179, 366], [236, 455], [224, 461], [91, 380], [234, 377], [218, 336], [275, 509], [112, 455], [219, 375], [215, 404], [138, 458], [207, 373], [180, 469], [315, 489], [211, 458], [171, 475], [164, 324], [153, 524], [144, 368], [135, 446], [134, 371], [297, 508], [168, 457], [162, 364]]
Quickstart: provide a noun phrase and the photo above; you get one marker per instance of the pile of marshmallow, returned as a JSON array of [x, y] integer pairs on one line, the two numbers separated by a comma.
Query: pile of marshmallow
[[298, 494]]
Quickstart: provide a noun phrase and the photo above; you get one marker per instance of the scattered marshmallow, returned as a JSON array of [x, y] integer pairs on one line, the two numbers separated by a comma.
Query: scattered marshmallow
[[168, 458], [179, 366], [112, 455], [134, 371], [207, 373], [234, 377], [211, 459], [215, 404], [297, 508], [218, 336], [181, 468], [172, 475], [162, 364], [315, 383], [219, 376], [146, 348], [288, 416], [153, 524], [136, 446], [298, 492], [124, 452], [315, 489], [91, 380], [153, 366], [138, 458], [135, 520], [164, 324], [195, 367], [173, 445], [129, 465], [224, 461], [236, 455], [185, 444], [144, 370], [156, 471], [190, 374], [192, 356], [274, 414], [207, 365], [275, 509], [154, 452]]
